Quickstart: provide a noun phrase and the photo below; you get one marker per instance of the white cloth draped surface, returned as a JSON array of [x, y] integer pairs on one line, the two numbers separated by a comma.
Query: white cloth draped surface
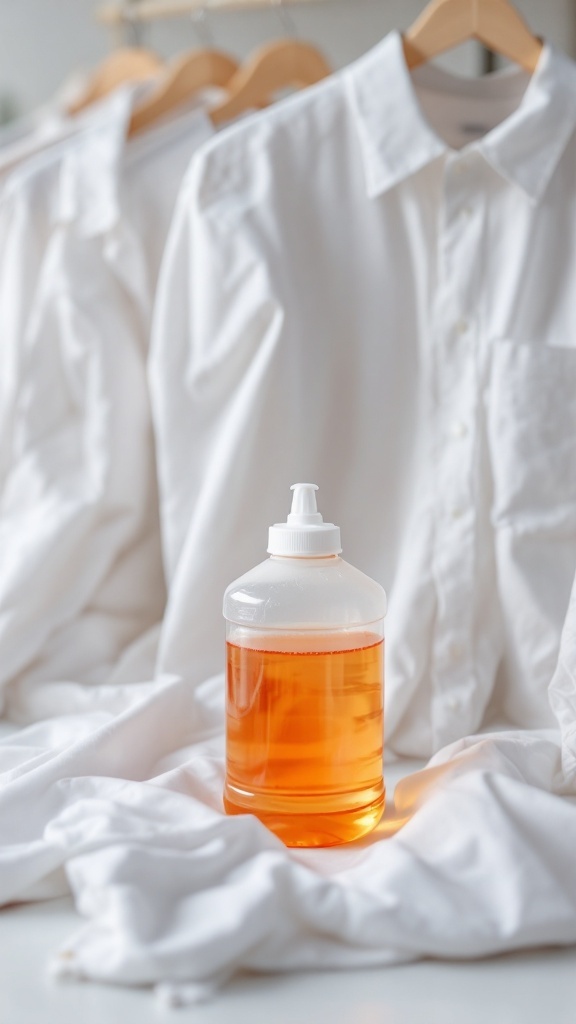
[[177, 895], [111, 771]]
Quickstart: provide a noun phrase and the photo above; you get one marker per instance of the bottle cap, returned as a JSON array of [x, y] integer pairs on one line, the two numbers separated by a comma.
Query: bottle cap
[[305, 534]]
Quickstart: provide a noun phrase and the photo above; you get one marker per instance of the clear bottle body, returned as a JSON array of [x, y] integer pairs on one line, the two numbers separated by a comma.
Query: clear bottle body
[[305, 706]]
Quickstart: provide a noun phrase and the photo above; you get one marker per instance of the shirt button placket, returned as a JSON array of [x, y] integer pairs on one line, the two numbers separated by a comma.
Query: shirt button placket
[[456, 397]]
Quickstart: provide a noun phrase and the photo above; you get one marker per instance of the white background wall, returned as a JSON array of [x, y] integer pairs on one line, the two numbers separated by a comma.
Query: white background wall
[[43, 41]]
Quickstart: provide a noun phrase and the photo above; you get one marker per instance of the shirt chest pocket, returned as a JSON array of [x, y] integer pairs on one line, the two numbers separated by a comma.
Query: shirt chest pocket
[[532, 433]]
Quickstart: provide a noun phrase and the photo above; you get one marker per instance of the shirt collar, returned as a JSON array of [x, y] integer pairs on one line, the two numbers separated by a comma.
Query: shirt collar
[[397, 141], [90, 169], [92, 162]]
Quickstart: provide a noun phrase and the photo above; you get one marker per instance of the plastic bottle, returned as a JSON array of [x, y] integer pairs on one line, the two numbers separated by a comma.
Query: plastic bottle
[[304, 733]]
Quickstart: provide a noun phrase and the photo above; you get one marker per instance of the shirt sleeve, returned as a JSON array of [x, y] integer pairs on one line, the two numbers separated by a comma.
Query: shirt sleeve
[[213, 372], [81, 569], [215, 314]]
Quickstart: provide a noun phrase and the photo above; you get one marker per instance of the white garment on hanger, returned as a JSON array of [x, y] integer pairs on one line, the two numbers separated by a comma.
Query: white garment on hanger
[[33, 133], [125, 795], [346, 299], [83, 229]]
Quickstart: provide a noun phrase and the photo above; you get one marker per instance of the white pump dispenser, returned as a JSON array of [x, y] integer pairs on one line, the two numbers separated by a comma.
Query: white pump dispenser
[[305, 534], [305, 584]]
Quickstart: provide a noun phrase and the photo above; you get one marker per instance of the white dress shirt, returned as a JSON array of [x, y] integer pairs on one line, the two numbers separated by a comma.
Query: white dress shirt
[[83, 228], [350, 298]]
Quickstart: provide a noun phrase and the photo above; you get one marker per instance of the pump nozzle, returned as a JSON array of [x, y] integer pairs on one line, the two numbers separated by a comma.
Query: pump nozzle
[[305, 534], [304, 508]]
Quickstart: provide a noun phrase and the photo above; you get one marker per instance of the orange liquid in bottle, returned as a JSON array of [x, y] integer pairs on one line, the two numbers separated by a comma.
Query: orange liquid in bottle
[[304, 736]]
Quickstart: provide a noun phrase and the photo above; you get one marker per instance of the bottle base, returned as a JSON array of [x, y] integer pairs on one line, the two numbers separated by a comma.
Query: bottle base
[[314, 829]]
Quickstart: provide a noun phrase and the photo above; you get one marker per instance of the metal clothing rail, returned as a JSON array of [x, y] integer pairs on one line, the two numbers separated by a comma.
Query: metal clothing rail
[[153, 10]]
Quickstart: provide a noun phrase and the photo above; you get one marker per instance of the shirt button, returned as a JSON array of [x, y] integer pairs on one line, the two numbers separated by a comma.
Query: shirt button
[[454, 703], [467, 212], [457, 511], [458, 429], [463, 326]]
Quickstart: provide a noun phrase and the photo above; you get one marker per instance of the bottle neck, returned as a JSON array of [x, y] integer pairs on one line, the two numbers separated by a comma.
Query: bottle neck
[[320, 559]]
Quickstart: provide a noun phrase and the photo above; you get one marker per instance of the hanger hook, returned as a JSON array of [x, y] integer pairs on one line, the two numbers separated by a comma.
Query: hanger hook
[[285, 18], [199, 19]]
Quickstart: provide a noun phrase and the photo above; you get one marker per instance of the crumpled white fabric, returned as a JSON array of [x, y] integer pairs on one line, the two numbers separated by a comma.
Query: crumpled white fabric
[[476, 857], [177, 895]]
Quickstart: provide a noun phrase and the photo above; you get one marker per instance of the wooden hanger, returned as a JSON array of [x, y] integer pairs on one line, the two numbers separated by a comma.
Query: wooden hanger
[[496, 23], [186, 76], [272, 68], [124, 65]]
